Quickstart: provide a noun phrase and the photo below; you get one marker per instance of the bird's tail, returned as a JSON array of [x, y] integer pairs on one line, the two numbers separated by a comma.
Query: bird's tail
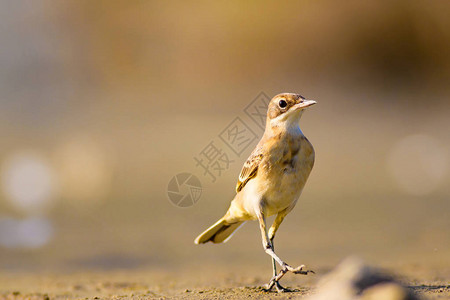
[[220, 232]]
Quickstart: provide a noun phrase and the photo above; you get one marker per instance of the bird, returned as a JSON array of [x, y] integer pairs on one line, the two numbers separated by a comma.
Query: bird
[[271, 181]]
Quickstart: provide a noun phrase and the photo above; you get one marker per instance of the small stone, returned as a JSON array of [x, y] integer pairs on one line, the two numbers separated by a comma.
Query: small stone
[[386, 291], [353, 279]]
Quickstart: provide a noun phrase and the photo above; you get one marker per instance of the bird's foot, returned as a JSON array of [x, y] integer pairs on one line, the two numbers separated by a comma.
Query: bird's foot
[[299, 270], [274, 283], [281, 289]]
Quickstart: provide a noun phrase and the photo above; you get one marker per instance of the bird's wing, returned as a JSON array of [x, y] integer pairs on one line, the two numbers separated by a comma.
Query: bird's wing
[[249, 169]]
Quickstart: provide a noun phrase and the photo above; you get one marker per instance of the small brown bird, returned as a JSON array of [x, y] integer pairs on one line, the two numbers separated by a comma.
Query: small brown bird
[[271, 180]]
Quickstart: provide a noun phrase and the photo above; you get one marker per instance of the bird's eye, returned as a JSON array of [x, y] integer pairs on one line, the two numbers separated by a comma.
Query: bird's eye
[[282, 103]]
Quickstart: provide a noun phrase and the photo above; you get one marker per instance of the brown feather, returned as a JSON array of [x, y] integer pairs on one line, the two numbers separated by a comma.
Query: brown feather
[[249, 170]]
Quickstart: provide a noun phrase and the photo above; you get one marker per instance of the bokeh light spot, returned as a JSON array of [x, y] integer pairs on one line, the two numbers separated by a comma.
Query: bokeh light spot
[[27, 233], [28, 182]]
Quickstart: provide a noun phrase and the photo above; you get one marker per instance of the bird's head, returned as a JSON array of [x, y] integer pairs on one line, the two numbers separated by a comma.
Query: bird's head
[[286, 109]]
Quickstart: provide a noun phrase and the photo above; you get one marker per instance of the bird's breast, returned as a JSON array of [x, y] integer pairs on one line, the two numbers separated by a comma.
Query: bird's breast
[[286, 170]]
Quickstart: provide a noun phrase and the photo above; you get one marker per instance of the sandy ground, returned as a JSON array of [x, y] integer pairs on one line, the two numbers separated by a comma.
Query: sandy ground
[[431, 282], [141, 261]]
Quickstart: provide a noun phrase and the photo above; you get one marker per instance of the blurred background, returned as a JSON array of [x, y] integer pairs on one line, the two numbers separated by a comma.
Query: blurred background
[[103, 102]]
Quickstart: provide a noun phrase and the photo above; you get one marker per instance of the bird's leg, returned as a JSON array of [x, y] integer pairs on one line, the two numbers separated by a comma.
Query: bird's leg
[[265, 240], [268, 248], [275, 279], [274, 263], [273, 229]]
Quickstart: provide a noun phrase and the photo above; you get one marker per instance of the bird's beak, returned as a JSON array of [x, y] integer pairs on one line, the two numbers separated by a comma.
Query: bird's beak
[[303, 104]]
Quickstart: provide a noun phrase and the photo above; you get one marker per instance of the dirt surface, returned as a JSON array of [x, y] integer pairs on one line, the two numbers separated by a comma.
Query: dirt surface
[[428, 282]]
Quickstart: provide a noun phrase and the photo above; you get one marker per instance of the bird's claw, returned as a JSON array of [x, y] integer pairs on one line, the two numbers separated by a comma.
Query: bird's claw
[[274, 281], [299, 270], [280, 289]]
